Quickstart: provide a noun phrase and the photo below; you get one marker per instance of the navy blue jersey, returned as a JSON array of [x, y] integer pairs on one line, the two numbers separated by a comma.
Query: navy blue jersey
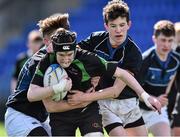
[[18, 100], [156, 74], [128, 56], [85, 66]]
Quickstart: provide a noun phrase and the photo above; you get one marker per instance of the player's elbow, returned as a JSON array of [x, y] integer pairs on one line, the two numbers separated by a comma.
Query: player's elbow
[[30, 94], [115, 95]]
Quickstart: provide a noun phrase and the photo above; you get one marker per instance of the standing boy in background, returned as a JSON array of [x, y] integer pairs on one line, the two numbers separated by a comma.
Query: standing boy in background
[[34, 43], [159, 67]]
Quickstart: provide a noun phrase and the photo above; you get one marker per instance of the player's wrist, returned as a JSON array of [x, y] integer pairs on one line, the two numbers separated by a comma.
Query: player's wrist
[[144, 96]]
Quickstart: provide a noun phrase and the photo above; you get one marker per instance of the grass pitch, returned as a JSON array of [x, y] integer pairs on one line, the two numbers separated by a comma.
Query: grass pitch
[[2, 130], [78, 134]]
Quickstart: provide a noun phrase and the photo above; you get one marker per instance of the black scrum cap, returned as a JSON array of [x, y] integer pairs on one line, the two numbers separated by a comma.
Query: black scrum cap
[[64, 40]]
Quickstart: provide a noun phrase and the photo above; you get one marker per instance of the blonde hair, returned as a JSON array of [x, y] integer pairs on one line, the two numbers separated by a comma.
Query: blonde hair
[[55, 21], [164, 27], [177, 27]]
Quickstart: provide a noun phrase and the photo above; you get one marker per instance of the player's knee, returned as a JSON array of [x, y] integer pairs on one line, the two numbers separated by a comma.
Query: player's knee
[[39, 131], [94, 134]]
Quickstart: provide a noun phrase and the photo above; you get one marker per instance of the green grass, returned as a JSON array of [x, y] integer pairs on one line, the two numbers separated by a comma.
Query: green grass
[[2, 130]]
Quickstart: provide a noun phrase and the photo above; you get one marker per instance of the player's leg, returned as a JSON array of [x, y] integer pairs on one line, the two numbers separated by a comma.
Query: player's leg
[[90, 123], [157, 124], [160, 129], [176, 117], [136, 128], [19, 124], [176, 131], [115, 129], [122, 117], [111, 121], [176, 125]]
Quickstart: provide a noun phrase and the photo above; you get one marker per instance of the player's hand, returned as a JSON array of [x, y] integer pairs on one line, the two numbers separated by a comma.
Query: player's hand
[[163, 100], [65, 84], [151, 102], [95, 81], [78, 96]]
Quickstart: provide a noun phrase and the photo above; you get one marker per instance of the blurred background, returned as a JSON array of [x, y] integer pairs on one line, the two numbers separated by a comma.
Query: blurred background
[[18, 17]]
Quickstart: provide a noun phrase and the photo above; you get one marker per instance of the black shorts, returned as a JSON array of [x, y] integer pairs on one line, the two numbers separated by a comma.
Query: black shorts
[[87, 121]]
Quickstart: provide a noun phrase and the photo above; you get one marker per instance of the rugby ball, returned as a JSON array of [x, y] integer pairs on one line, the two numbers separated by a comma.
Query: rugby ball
[[52, 76]]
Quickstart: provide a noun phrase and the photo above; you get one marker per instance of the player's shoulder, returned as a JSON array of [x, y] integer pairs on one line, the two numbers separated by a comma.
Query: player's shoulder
[[39, 55], [149, 53], [176, 55], [86, 56], [88, 59], [82, 53], [131, 43], [131, 47], [99, 35]]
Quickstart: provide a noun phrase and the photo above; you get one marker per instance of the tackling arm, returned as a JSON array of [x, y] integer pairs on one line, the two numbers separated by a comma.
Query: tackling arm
[[37, 93], [60, 106]]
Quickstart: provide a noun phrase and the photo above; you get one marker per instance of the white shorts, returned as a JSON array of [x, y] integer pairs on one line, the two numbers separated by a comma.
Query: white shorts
[[19, 124], [152, 117], [119, 111]]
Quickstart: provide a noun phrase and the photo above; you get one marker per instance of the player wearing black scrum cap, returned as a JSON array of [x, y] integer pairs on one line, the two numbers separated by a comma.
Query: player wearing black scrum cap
[[80, 66]]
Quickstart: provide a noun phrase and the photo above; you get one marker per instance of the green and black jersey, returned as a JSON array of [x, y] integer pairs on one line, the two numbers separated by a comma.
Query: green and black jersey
[[85, 66]]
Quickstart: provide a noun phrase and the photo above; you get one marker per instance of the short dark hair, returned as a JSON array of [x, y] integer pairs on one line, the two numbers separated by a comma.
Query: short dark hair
[[115, 9], [164, 27]]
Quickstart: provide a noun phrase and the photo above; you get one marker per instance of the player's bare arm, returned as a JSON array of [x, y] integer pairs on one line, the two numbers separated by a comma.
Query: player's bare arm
[[114, 91], [150, 101], [61, 106], [37, 93]]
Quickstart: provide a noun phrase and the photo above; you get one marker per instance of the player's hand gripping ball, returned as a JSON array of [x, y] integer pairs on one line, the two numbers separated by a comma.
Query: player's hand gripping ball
[[57, 77]]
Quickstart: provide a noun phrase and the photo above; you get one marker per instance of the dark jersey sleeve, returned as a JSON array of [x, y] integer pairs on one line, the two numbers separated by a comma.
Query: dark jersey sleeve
[[91, 42], [97, 66], [87, 44], [132, 60]]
